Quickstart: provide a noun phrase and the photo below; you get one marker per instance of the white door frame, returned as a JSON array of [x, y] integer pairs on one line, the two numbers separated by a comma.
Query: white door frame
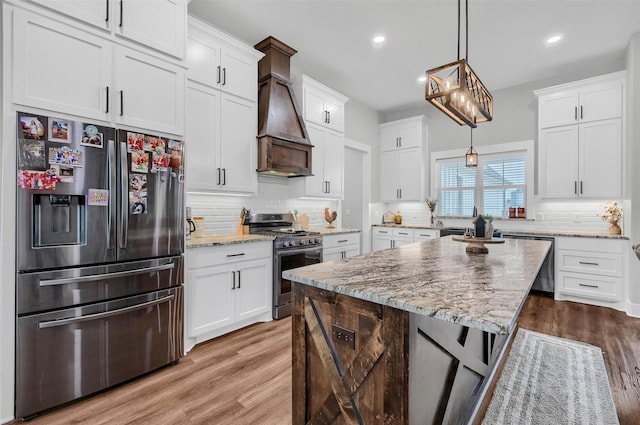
[[365, 149]]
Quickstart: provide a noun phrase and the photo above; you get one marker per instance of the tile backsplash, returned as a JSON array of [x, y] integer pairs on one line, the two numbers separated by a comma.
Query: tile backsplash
[[221, 212], [579, 215]]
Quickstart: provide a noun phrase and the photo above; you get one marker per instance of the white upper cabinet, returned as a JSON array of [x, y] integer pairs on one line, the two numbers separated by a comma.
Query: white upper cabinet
[[61, 65], [221, 62], [221, 112], [60, 68], [590, 100], [580, 138], [148, 93], [322, 105], [323, 112], [402, 134], [160, 25], [403, 159]]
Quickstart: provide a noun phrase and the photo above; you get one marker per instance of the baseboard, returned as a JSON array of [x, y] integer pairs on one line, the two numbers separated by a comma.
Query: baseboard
[[633, 309]]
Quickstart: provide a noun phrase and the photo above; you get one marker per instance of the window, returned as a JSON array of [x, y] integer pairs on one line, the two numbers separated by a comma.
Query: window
[[503, 179]]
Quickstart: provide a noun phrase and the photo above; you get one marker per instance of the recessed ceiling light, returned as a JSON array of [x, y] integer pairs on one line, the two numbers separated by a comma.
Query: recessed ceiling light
[[422, 79], [553, 39], [378, 39]]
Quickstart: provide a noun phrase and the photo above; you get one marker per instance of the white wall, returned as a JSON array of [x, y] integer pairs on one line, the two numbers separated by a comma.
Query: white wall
[[633, 171]]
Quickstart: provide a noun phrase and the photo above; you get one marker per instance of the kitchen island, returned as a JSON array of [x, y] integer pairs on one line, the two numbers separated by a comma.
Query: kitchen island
[[405, 336]]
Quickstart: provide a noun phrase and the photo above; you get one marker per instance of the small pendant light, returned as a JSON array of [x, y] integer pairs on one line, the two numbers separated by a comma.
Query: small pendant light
[[472, 155]]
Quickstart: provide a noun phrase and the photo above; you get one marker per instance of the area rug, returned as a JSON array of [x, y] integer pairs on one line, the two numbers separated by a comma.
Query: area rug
[[550, 380]]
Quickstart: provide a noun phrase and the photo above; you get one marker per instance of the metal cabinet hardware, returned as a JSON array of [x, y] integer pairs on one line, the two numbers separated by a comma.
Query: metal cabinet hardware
[[589, 263], [107, 109], [121, 103], [236, 255], [233, 278], [121, 13], [588, 286], [219, 73]]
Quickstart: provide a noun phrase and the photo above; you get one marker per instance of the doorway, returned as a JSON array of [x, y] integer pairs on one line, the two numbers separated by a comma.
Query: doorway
[[357, 190]]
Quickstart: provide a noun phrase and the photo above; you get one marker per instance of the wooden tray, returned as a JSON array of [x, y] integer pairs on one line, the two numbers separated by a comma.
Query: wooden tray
[[477, 245]]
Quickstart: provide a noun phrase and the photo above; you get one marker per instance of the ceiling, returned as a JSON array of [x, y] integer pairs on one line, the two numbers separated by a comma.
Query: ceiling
[[506, 39]]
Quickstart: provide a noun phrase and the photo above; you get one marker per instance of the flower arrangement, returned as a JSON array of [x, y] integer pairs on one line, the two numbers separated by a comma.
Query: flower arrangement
[[612, 213], [431, 203]]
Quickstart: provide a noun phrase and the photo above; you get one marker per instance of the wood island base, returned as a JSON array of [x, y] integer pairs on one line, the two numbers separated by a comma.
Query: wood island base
[[359, 362]]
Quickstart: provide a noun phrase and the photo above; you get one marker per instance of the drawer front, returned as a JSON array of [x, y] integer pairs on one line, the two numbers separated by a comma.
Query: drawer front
[[383, 231], [590, 286], [217, 255], [333, 241], [425, 234], [596, 245], [404, 233], [600, 263]]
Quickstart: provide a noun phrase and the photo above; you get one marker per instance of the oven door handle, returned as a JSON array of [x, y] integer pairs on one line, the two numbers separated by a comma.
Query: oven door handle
[[72, 320], [92, 277]]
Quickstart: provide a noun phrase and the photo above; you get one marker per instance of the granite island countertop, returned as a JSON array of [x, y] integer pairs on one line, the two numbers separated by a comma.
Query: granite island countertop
[[438, 278], [215, 240]]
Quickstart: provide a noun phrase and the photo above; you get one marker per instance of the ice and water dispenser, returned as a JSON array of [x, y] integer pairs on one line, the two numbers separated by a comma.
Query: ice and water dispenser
[[59, 220]]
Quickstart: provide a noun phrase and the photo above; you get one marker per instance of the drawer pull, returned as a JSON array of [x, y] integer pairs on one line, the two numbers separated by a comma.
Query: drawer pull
[[588, 286], [343, 241], [587, 263], [402, 233], [235, 255], [383, 231]]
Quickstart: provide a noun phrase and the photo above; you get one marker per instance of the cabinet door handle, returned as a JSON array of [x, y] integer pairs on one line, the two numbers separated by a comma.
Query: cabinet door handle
[[397, 142], [580, 187], [235, 255], [107, 18], [400, 141], [107, 108], [224, 176], [588, 263], [218, 176], [328, 117], [234, 280], [121, 1], [580, 111], [224, 76], [219, 73], [575, 187], [328, 186], [121, 103], [575, 113], [588, 286], [239, 279], [400, 193]]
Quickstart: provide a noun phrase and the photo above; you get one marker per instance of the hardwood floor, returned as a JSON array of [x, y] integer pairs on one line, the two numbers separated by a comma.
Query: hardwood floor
[[244, 378]]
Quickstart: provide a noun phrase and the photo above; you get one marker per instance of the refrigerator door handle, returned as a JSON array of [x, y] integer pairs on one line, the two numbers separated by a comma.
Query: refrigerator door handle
[[124, 196], [93, 277], [111, 220], [71, 320]]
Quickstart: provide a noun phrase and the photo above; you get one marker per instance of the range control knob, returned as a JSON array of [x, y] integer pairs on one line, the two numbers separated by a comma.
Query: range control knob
[[287, 243], [317, 240], [303, 242]]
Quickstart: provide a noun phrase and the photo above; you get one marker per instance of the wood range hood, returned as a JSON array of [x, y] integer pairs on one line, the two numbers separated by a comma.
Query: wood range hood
[[284, 148]]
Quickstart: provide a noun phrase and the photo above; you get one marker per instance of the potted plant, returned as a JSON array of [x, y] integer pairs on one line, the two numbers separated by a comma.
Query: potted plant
[[432, 203]]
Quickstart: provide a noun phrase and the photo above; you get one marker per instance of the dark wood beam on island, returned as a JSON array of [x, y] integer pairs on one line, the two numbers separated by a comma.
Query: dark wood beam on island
[[411, 335]]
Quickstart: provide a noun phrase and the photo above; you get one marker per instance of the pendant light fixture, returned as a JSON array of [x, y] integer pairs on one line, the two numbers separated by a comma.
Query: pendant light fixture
[[471, 156], [456, 90]]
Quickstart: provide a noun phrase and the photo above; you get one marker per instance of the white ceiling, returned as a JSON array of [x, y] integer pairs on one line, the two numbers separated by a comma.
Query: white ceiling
[[506, 39]]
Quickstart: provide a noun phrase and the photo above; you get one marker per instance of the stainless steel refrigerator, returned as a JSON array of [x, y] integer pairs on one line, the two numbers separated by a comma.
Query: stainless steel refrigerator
[[99, 244]]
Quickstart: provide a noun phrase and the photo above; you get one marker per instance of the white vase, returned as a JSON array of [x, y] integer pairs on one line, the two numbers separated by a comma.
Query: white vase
[[488, 230]]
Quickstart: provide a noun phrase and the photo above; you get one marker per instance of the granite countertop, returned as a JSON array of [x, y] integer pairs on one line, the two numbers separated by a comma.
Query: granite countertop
[[333, 231], [216, 240], [438, 278], [507, 231]]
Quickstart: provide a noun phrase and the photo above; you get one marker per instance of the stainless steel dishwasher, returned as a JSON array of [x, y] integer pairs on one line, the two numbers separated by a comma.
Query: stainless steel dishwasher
[[545, 281]]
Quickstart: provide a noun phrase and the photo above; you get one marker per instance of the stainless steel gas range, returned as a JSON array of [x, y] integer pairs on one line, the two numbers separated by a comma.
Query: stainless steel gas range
[[291, 249]]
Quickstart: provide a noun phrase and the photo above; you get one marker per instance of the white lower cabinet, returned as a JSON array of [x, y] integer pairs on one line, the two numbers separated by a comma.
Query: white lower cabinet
[[337, 247], [591, 271], [227, 287], [389, 237]]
